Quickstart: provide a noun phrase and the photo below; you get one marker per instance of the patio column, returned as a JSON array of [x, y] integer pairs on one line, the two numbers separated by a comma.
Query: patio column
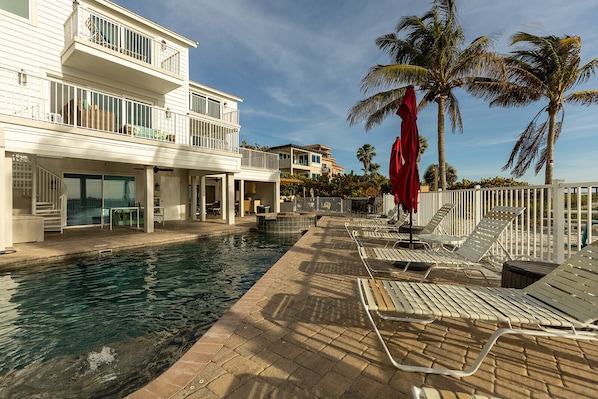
[[6, 196], [241, 198], [202, 198], [148, 217], [194, 204], [276, 207], [229, 206]]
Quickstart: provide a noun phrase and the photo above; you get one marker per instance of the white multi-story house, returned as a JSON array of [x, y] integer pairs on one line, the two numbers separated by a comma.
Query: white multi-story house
[[100, 122], [311, 161]]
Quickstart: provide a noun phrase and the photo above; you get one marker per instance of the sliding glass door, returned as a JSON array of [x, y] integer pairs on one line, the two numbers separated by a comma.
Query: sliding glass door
[[88, 194]]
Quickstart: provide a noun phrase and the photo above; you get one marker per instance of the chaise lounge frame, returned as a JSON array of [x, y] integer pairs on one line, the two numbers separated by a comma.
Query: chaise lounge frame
[[391, 236], [466, 258], [563, 304]]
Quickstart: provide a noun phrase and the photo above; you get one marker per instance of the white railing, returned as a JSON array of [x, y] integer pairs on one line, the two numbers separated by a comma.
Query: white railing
[[557, 220], [258, 159], [121, 39], [27, 96]]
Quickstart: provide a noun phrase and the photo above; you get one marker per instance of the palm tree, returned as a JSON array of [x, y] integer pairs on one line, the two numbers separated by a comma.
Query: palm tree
[[545, 68], [430, 56], [365, 154]]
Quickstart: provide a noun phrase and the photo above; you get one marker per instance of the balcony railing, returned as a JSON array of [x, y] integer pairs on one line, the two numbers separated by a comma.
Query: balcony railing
[[48, 100], [258, 159], [121, 39]]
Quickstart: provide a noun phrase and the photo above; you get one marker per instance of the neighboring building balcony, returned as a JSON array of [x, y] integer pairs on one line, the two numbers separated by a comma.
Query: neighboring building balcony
[[99, 45], [258, 159], [47, 100], [300, 162]]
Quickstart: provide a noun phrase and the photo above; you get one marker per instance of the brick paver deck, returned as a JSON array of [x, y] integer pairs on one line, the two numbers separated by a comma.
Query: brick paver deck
[[301, 332]]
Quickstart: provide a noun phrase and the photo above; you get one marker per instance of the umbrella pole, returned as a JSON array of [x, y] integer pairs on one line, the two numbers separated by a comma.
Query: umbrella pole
[[411, 228]]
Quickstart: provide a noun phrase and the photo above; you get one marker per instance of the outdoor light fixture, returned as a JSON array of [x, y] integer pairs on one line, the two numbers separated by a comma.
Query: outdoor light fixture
[[168, 113], [163, 45], [157, 187], [22, 77]]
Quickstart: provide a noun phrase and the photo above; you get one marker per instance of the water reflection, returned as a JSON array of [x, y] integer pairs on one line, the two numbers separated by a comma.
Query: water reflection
[[105, 327]]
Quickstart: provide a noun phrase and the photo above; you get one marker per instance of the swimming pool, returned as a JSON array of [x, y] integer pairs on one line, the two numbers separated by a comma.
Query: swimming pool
[[104, 327]]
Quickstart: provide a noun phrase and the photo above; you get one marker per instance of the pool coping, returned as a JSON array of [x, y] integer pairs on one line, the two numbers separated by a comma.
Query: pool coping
[[193, 362]]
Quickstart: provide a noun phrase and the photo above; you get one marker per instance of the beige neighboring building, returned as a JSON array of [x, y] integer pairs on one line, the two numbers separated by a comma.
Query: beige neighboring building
[[329, 165], [311, 161]]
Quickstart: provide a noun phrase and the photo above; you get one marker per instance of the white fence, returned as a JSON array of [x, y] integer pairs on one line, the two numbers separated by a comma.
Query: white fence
[[557, 220]]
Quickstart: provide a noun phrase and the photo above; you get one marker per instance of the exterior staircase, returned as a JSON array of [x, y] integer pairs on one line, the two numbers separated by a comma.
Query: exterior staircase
[[52, 216], [50, 191]]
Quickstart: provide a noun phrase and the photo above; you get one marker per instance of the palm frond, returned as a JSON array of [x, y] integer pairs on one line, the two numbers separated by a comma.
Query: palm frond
[[393, 75], [586, 97], [454, 113], [377, 105]]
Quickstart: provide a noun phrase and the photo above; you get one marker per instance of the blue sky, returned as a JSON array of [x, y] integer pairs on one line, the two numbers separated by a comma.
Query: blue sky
[[298, 65]]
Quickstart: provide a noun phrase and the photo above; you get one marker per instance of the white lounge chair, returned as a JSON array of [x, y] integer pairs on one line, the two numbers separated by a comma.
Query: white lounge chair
[[562, 304], [378, 224], [393, 236], [467, 258]]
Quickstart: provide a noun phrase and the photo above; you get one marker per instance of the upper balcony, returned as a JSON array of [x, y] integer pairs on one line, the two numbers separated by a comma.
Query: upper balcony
[[99, 45], [50, 100]]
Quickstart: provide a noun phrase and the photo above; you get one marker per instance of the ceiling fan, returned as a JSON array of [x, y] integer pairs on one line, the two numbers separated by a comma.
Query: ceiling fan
[[157, 169]]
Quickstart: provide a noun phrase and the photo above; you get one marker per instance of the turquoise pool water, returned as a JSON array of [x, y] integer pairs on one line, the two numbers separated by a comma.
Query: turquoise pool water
[[104, 327]]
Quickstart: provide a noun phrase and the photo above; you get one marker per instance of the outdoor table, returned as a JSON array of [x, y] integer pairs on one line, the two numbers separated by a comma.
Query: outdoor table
[[442, 241], [128, 209], [521, 273], [405, 228]]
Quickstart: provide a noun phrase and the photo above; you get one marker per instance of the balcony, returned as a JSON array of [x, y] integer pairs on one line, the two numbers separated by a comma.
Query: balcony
[[258, 159], [100, 46], [59, 103]]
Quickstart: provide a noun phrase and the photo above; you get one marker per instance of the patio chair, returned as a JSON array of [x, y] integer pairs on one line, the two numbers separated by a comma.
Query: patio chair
[[432, 393], [562, 304], [392, 236], [393, 214], [466, 258], [378, 224]]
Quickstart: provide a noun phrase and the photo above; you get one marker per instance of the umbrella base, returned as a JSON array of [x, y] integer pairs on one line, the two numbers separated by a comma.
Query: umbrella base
[[414, 229], [414, 245]]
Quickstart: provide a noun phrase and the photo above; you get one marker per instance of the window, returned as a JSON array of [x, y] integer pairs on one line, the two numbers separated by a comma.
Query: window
[[17, 7], [138, 114], [316, 159], [315, 175], [88, 194], [303, 159], [204, 105]]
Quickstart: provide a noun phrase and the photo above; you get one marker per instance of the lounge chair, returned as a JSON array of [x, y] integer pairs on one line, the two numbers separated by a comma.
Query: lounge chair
[[432, 393], [378, 224], [466, 258], [393, 237], [393, 214], [562, 304]]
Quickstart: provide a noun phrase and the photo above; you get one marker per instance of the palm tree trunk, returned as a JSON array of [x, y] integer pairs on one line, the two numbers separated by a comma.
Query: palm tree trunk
[[552, 114], [441, 158]]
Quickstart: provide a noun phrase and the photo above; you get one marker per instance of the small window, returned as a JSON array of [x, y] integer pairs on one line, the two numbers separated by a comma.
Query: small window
[[17, 7], [316, 159]]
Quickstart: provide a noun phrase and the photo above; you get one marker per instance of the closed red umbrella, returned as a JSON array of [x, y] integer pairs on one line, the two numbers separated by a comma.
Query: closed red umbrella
[[408, 176], [396, 159]]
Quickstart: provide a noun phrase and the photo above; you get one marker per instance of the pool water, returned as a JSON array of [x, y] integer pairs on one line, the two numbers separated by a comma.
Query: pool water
[[105, 327]]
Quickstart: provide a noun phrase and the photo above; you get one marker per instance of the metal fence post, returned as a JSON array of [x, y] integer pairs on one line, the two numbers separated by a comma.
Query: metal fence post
[[558, 204]]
